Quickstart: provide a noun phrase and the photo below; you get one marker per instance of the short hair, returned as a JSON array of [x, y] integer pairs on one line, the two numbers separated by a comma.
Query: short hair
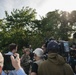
[[12, 46], [38, 52]]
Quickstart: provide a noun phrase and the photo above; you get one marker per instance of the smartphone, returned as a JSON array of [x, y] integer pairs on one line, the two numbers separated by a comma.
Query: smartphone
[[7, 63]]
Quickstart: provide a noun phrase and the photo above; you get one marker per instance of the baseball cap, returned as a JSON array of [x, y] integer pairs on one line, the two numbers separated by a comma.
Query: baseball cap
[[52, 45], [38, 52], [1, 60]]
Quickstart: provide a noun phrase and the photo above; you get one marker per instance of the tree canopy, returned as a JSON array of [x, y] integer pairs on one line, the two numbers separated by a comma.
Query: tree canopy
[[22, 27]]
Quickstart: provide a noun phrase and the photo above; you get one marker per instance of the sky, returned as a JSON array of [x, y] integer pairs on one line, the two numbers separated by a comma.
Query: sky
[[42, 6]]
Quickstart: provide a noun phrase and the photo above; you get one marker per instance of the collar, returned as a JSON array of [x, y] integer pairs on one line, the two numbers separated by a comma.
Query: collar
[[9, 53]]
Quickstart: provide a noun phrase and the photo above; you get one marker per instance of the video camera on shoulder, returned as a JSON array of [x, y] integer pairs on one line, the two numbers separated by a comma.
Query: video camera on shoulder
[[63, 46], [7, 63]]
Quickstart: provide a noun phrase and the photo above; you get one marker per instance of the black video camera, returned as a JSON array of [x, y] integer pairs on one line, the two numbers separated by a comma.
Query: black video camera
[[64, 48]]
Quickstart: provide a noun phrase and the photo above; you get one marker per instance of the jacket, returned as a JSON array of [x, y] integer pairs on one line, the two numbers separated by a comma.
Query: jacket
[[19, 72], [55, 65], [25, 63]]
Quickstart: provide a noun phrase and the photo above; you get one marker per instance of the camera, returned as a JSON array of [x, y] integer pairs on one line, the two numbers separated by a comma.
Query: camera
[[7, 63], [64, 48]]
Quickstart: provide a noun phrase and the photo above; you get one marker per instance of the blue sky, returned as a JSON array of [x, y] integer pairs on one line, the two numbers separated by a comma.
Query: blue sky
[[41, 6]]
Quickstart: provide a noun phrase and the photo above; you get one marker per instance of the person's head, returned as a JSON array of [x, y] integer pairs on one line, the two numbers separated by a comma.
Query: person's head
[[52, 47], [13, 47], [38, 53], [43, 48], [23, 49], [26, 51]]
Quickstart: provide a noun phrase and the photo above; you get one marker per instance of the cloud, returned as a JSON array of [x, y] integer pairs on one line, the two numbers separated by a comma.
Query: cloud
[[41, 6], [50, 5], [9, 5], [37, 3]]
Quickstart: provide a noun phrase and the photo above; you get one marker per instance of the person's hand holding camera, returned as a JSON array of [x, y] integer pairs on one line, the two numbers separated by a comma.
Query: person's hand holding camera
[[16, 55], [16, 62]]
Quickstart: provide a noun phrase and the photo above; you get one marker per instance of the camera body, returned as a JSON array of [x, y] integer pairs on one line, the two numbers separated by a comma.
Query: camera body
[[64, 48], [7, 63]]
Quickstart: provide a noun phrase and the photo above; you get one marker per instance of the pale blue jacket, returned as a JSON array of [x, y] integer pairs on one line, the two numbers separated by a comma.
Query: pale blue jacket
[[14, 72]]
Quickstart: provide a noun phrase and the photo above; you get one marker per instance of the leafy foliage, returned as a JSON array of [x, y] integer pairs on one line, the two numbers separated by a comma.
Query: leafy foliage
[[22, 27]]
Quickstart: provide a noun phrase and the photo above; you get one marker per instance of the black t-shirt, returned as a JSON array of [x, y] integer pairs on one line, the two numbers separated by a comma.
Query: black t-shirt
[[34, 68], [31, 56]]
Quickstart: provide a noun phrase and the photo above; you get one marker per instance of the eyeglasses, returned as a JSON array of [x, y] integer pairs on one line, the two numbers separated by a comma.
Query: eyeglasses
[[35, 55]]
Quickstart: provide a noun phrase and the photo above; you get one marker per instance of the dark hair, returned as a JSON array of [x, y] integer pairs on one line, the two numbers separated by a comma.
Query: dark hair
[[47, 41], [12, 46]]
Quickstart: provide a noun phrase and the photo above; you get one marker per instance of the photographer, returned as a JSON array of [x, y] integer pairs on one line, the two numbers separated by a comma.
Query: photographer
[[8, 68], [55, 64], [16, 64]]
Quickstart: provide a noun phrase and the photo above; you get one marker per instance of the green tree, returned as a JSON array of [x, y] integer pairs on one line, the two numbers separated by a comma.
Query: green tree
[[22, 27], [18, 26], [58, 24], [50, 24]]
